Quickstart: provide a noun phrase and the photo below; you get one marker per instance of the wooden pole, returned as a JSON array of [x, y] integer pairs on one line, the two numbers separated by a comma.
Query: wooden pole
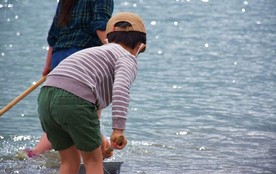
[[21, 96]]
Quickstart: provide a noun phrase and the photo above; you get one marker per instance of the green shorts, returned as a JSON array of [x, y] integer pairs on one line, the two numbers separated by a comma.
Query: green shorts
[[68, 120]]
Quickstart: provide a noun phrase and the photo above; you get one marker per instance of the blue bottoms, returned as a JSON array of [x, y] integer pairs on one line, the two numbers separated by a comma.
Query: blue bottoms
[[58, 56]]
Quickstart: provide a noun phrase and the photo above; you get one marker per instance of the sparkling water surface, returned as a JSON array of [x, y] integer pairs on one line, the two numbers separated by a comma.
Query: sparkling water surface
[[203, 101]]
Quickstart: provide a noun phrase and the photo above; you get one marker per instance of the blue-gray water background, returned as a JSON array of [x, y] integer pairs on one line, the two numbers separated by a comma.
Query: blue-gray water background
[[203, 101]]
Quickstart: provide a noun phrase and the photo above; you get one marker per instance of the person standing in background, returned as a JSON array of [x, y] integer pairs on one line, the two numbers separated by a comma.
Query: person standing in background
[[77, 24]]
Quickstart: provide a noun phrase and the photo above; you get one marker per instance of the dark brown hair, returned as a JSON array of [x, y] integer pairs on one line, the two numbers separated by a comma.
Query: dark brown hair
[[129, 38], [65, 12]]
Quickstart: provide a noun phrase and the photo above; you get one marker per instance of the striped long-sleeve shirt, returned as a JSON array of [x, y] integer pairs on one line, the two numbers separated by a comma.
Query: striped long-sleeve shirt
[[101, 75]]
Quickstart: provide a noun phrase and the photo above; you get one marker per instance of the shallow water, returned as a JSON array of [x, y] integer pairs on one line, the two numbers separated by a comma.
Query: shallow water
[[203, 101]]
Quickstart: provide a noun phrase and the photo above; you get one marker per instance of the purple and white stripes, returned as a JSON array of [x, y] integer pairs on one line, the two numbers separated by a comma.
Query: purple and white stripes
[[101, 75]]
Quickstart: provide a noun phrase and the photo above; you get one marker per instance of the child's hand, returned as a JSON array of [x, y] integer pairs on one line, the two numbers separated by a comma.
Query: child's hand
[[104, 146], [115, 135]]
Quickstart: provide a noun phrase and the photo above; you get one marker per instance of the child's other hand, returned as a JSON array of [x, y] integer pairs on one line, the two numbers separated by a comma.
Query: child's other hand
[[104, 146]]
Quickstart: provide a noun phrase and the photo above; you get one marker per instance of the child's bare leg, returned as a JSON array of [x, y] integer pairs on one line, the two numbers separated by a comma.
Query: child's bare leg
[[70, 161], [93, 161]]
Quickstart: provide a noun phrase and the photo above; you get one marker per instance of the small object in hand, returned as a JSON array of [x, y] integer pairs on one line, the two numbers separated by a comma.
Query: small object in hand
[[118, 142]]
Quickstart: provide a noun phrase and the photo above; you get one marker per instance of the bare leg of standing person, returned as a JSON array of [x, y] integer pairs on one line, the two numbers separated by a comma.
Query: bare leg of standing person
[[43, 145]]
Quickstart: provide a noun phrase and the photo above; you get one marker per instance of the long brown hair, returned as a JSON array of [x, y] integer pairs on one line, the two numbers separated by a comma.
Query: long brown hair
[[66, 8]]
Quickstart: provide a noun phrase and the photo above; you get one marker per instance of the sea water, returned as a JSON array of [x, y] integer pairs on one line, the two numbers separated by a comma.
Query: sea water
[[203, 101]]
